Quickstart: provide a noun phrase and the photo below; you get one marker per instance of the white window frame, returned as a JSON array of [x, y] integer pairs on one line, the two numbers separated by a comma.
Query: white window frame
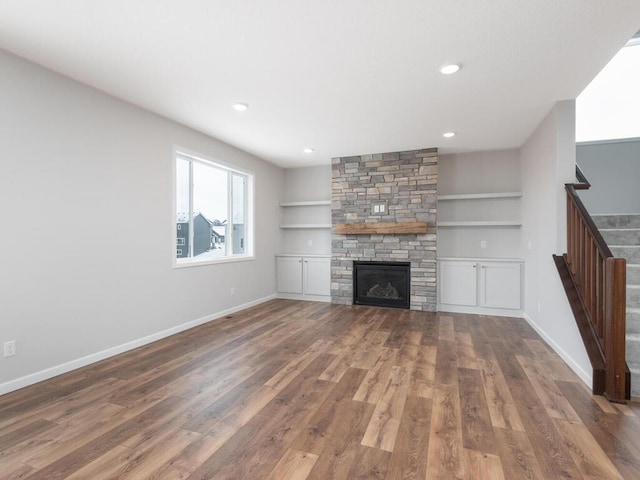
[[185, 154]]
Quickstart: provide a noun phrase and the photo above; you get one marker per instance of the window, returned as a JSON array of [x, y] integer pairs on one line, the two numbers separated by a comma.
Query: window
[[607, 108], [213, 214]]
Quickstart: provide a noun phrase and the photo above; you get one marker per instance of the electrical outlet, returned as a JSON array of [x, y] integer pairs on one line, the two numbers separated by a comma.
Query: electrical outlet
[[10, 348], [232, 292], [483, 244], [539, 306]]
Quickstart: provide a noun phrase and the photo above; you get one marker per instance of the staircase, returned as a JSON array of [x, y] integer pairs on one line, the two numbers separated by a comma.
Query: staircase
[[622, 234]]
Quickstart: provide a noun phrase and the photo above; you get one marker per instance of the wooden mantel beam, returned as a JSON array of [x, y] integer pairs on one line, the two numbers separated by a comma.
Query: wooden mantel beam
[[381, 228]]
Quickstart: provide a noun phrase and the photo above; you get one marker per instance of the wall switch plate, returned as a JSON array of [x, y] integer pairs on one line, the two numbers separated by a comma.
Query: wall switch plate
[[232, 292], [309, 243], [379, 207], [9, 348], [483, 244]]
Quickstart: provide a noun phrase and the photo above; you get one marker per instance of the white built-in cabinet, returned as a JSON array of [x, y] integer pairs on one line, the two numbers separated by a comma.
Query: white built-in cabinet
[[304, 277], [480, 286], [303, 270]]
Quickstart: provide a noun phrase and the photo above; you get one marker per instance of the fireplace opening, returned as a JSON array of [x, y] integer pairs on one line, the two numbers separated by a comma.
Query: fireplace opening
[[381, 284]]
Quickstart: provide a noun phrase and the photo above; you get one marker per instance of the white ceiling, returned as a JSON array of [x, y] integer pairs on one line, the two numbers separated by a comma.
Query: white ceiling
[[345, 77]]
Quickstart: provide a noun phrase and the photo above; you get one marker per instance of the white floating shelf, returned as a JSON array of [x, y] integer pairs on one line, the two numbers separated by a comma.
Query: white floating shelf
[[311, 203], [475, 196], [481, 224], [305, 225]]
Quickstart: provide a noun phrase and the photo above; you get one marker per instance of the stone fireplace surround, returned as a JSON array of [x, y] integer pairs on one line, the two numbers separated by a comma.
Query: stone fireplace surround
[[407, 182]]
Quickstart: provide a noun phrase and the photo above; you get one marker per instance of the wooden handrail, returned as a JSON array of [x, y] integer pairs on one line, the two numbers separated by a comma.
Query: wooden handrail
[[583, 183], [600, 282]]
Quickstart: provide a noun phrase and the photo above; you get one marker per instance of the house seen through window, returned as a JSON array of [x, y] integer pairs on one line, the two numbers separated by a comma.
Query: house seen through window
[[213, 211]]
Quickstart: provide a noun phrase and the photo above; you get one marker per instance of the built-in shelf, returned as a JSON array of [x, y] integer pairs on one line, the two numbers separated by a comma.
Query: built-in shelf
[[311, 203], [305, 225], [498, 223], [306, 255], [475, 196]]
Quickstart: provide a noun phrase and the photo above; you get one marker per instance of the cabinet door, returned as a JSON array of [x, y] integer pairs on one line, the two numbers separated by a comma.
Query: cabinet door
[[458, 283], [289, 274], [317, 276], [500, 286]]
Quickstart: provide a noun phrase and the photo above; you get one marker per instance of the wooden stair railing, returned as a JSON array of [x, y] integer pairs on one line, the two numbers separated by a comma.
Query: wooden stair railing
[[595, 282]]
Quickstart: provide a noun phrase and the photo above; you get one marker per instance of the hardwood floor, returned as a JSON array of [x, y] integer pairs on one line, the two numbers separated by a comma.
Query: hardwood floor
[[301, 390]]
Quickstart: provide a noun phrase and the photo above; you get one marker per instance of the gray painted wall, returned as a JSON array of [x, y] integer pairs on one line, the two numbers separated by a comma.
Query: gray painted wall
[[84, 178], [548, 162], [480, 172], [613, 168]]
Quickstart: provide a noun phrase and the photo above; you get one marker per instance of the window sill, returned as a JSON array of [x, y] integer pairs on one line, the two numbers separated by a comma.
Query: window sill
[[199, 263]]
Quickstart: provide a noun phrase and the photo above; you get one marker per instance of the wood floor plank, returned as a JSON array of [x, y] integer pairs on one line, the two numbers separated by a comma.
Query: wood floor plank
[[285, 417], [343, 441], [369, 464], [482, 466], [445, 458], [272, 392], [412, 441], [446, 331], [373, 384], [553, 365], [185, 462], [548, 392], [88, 452], [383, 428], [17, 436], [477, 431], [294, 465], [335, 410], [446, 363], [592, 462], [465, 351], [552, 455], [614, 438], [502, 409], [105, 466], [422, 373], [517, 457]]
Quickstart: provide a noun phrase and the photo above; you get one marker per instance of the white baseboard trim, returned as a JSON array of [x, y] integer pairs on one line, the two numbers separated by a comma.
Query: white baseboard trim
[[497, 312], [309, 298], [51, 372], [586, 377]]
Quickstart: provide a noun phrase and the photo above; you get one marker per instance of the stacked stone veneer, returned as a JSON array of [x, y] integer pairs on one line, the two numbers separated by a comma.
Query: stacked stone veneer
[[408, 182]]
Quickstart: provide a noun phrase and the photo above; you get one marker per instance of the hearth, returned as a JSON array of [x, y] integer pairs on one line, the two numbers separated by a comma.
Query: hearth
[[381, 284]]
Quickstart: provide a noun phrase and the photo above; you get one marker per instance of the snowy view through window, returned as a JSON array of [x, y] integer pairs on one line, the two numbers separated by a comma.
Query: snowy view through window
[[207, 196]]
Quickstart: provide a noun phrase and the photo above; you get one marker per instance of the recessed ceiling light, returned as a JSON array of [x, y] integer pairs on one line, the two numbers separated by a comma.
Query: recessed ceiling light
[[449, 134], [450, 68], [308, 150], [240, 107]]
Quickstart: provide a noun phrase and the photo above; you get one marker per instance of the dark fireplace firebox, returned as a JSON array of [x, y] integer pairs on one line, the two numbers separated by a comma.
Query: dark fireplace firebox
[[381, 284]]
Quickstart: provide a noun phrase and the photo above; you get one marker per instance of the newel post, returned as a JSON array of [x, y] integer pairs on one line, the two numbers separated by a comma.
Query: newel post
[[615, 329]]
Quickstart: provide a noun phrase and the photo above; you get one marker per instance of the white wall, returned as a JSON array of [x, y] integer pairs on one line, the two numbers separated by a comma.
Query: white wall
[[613, 169], [548, 162], [86, 197], [310, 183]]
